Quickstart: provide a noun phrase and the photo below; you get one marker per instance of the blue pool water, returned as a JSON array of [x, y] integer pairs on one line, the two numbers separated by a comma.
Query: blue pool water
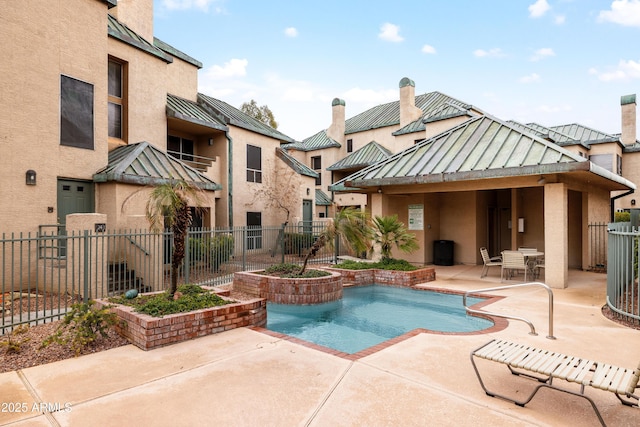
[[369, 315]]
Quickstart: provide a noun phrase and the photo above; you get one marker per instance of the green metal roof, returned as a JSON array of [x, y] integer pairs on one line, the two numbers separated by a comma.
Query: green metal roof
[[365, 156], [294, 164], [237, 118], [322, 199], [584, 133], [175, 52], [389, 114], [482, 147], [544, 132], [190, 111], [144, 164], [316, 142], [123, 33]]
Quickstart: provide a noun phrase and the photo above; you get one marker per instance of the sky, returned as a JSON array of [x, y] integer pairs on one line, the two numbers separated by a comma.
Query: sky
[[551, 62]]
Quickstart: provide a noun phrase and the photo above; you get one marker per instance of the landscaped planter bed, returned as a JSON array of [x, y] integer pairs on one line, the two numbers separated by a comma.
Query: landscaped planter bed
[[147, 332], [281, 290], [386, 277]]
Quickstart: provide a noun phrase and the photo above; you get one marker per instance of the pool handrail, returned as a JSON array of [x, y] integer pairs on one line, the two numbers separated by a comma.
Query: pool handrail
[[499, 288]]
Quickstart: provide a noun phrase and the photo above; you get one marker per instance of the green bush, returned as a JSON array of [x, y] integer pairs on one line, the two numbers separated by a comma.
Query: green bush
[[15, 339], [385, 264], [82, 326], [622, 217], [192, 297], [214, 251]]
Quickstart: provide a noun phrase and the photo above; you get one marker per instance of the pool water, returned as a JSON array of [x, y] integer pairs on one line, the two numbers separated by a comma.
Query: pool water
[[370, 315]]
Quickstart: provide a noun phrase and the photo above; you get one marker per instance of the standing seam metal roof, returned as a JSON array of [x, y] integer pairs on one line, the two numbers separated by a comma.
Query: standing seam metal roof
[[365, 156], [175, 52], [322, 199], [585, 134], [318, 141], [294, 164], [125, 34], [482, 147], [190, 111], [237, 118], [144, 164]]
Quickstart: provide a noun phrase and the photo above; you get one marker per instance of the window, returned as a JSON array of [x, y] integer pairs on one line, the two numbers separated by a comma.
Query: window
[[316, 165], [349, 145], [254, 230], [117, 96], [76, 113], [254, 164], [180, 148]]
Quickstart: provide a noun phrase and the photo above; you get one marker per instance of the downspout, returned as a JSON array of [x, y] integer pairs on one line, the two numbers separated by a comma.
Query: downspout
[[230, 178], [614, 198]]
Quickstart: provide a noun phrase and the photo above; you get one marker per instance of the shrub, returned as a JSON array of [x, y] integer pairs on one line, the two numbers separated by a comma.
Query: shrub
[[192, 297], [82, 326], [214, 251], [293, 271], [622, 217], [14, 340], [385, 264]]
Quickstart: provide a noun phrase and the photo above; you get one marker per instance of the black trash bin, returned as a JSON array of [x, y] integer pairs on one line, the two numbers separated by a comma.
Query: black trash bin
[[443, 252]]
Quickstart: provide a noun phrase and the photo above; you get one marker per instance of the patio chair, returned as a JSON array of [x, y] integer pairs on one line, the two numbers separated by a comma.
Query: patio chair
[[545, 366], [488, 261], [539, 266], [513, 260]]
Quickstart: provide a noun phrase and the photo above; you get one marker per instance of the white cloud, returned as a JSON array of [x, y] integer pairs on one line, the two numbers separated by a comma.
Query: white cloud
[[291, 32], [389, 32], [539, 8], [626, 70], [542, 53], [531, 78], [623, 12], [491, 53], [559, 19], [428, 49], [188, 4], [233, 68]]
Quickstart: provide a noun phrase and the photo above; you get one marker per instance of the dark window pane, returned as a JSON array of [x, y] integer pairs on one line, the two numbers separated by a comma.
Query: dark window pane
[[76, 113], [173, 143], [258, 177], [316, 163], [115, 79], [349, 145], [319, 179], [115, 120], [254, 158]]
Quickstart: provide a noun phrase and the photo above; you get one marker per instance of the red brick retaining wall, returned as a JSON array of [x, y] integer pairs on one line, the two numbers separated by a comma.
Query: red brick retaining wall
[[147, 332], [289, 291], [386, 277]]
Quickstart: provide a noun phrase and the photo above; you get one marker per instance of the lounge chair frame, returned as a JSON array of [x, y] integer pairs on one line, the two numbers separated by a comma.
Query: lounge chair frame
[[523, 360]]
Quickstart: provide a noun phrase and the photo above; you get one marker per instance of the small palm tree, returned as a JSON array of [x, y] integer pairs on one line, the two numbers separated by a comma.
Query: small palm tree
[[389, 232], [351, 226], [170, 202]]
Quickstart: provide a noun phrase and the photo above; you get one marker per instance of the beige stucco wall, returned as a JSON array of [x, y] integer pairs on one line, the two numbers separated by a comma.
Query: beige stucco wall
[[137, 15], [181, 79], [631, 171], [43, 40]]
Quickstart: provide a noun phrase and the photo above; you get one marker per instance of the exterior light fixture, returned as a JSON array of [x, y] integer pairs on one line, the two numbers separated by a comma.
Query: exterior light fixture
[[379, 190], [31, 177], [210, 141], [633, 202], [542, 180], [308, 191]]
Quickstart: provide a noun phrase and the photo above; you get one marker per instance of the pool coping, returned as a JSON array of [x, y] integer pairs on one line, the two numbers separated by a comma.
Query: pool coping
[[499, 324]]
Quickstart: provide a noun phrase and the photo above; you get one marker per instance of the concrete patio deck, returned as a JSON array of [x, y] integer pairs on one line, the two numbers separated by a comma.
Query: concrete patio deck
[[247, 378]]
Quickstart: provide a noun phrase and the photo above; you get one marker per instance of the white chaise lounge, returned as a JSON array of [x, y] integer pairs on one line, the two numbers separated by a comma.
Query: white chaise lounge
[[550, 365]]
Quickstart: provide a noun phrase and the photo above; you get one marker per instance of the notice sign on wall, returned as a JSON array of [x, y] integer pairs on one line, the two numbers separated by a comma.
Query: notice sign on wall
[[416, 215]]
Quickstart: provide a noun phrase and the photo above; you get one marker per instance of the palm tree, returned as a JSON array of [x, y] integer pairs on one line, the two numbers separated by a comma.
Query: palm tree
[[169, 202], [388, 231], [351, 226]]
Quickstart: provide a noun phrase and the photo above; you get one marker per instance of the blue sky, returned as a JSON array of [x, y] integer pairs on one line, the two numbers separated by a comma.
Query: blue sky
[[547, 61]]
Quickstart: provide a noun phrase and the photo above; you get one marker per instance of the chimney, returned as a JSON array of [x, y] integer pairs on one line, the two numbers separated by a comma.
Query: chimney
[[137, 15], [336, 130], [628, 106], [408, 110]]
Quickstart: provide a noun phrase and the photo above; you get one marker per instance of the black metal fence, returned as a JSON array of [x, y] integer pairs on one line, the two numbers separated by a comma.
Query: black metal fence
[[598, 247]]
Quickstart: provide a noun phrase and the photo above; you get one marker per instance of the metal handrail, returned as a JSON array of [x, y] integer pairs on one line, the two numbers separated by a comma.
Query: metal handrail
[[499, 288]]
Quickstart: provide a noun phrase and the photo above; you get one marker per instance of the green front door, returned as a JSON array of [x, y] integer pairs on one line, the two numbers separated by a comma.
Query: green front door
[[73, 197]]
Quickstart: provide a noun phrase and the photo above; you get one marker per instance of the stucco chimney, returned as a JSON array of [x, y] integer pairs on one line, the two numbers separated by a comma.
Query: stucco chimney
[[336, 130], [137, 15], [628, 106], [408, 110]]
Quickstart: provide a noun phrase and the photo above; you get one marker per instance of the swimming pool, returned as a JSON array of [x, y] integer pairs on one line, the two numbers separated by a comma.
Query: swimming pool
[[369, 315]]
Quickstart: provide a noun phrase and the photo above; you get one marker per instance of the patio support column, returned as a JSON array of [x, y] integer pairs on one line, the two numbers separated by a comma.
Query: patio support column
[[515, 214], [556, 236]]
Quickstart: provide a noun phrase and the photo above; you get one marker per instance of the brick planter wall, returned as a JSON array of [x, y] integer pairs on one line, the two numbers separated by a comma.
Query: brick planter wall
[[147, 332], [289, 291], [386, 277]]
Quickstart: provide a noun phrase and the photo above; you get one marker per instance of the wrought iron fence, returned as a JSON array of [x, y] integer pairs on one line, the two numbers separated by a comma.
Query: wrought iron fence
[[43, 274], [623, 293], [598, 246]]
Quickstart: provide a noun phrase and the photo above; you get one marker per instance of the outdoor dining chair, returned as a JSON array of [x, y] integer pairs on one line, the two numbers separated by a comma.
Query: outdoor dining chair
[[489, 261], [513, 260]]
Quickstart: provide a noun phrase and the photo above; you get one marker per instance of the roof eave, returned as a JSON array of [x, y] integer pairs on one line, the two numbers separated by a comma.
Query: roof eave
[[176, 115]]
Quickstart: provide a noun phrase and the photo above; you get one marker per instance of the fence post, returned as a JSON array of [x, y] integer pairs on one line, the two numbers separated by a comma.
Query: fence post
[[282, 241], [186, 260], [85, 275], [244, 247]]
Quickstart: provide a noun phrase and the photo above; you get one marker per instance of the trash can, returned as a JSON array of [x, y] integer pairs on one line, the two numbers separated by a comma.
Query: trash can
[[443, 252]]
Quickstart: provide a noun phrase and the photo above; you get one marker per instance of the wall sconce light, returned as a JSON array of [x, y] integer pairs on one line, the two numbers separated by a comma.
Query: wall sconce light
[[379, 190], [520, 225], [31, 177], [210, 141], [633, 202], [542, 180], [308, 191]]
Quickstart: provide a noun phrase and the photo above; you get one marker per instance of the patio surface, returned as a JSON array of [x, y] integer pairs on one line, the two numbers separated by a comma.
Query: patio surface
[[246, 378]]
